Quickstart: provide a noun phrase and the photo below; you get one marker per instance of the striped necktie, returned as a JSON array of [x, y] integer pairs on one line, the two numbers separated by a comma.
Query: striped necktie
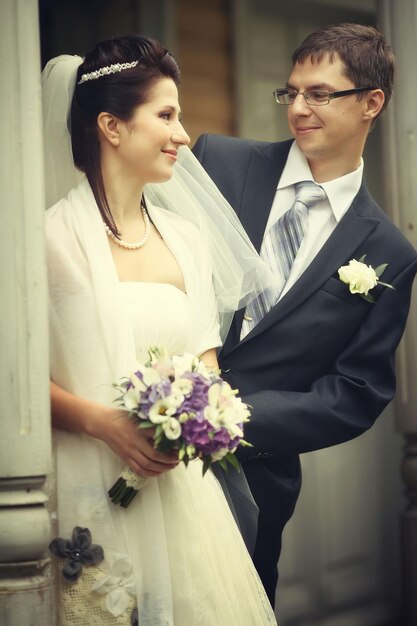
[[279, 249]]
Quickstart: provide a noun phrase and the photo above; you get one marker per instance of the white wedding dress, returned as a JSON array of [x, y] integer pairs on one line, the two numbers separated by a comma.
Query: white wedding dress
[[175, 553]]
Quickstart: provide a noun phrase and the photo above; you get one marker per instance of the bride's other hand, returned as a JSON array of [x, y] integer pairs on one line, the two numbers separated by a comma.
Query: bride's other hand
[[209, 358], [134, 446]]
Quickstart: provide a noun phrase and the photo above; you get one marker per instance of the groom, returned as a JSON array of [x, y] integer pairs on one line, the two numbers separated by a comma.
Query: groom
[[313, 359]]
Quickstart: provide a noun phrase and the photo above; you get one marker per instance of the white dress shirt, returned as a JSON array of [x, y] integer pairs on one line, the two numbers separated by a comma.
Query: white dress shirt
[[322, 218]]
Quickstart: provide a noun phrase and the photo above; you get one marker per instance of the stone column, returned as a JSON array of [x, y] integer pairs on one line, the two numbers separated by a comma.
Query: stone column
[[25, 449], [398, 20]]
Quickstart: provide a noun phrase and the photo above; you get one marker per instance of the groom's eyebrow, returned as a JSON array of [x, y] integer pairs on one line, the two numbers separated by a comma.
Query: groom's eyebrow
[[324, 86]]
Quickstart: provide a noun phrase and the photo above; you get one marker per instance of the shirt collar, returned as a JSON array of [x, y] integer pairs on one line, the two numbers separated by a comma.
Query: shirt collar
[[340, 191]]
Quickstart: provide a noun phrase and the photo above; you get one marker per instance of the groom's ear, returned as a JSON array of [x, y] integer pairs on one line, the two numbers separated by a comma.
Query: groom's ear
[[108, 125], [373, 104]]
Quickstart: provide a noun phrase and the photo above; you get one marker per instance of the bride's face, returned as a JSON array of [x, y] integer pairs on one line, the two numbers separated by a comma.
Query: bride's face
[[150, 140]]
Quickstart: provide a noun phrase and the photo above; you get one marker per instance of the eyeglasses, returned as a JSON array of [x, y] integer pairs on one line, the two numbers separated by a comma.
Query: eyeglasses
[[314, 97]]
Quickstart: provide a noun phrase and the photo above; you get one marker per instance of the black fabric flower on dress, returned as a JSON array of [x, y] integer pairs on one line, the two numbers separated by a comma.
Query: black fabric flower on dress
[[78, 552]]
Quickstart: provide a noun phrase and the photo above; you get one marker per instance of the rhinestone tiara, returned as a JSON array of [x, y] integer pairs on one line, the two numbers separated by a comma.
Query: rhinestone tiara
[[105, 71]]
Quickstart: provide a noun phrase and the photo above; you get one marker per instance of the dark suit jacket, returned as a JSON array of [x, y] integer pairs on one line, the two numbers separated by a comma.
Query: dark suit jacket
[[319, 368]]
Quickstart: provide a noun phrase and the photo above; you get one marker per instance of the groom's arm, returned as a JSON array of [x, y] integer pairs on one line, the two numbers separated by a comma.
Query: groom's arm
[[226, 160]]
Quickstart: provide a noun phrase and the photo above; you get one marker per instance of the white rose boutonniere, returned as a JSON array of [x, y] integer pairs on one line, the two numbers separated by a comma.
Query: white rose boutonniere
[[361, 278]]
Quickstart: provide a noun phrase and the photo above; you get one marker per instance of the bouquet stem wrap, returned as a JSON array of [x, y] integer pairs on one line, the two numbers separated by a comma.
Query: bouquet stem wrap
[[126, 487]]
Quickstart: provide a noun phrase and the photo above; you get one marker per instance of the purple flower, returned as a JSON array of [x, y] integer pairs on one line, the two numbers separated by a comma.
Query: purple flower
[[235, 442], [215, 445], [222, 437], [196, 432], [201, 434], [198, 398], [164, 388]]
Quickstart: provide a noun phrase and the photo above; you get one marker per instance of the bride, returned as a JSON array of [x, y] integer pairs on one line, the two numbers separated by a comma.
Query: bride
[[124, 274]]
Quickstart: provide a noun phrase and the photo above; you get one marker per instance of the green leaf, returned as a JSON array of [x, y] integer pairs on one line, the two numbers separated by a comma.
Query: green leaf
[[233, 461], [223, 464], [380, 269], [362, 259], [386, 285], [146, 425], [206, 464]]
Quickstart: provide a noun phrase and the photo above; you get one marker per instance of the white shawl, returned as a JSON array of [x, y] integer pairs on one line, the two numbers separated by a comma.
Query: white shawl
[[91, 346]]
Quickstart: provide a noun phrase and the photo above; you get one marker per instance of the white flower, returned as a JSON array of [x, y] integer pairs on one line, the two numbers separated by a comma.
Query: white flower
[[172, 428], [174, 400], [160, 411], [160, 361], [241, 410], [164, 408], [151, 376], [131, 398], [217, 456], [213, 394], [234, 430], [182, 385], [117, 585], [227, 391], [359, 276], [136, 381], [212, 415], [183, 364], [204, 370], [230, 416], [157, 353]]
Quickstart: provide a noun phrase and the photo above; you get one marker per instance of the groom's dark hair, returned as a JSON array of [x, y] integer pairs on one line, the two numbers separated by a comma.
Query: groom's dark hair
[[368, 59]]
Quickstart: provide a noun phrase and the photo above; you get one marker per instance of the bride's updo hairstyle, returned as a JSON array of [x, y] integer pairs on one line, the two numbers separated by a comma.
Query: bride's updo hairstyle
[[117, 93]]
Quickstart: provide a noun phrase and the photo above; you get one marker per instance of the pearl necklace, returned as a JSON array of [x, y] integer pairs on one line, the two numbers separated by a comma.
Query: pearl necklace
[[138, 244]]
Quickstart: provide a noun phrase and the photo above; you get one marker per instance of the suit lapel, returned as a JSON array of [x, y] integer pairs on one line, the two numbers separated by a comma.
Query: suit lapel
[[356, 225], [264, 171], [258, 192]]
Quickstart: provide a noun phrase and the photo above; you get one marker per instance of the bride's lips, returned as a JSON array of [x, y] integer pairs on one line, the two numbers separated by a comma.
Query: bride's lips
[[172, 154]]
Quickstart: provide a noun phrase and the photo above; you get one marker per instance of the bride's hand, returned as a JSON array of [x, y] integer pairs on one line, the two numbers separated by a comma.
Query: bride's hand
[[135, 446]]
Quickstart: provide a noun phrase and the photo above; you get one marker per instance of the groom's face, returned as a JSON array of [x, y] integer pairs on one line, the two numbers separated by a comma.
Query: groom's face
[[336, 132]]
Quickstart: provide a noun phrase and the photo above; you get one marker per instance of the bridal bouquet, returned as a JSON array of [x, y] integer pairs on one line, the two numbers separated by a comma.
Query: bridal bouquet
[[191, 409]]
